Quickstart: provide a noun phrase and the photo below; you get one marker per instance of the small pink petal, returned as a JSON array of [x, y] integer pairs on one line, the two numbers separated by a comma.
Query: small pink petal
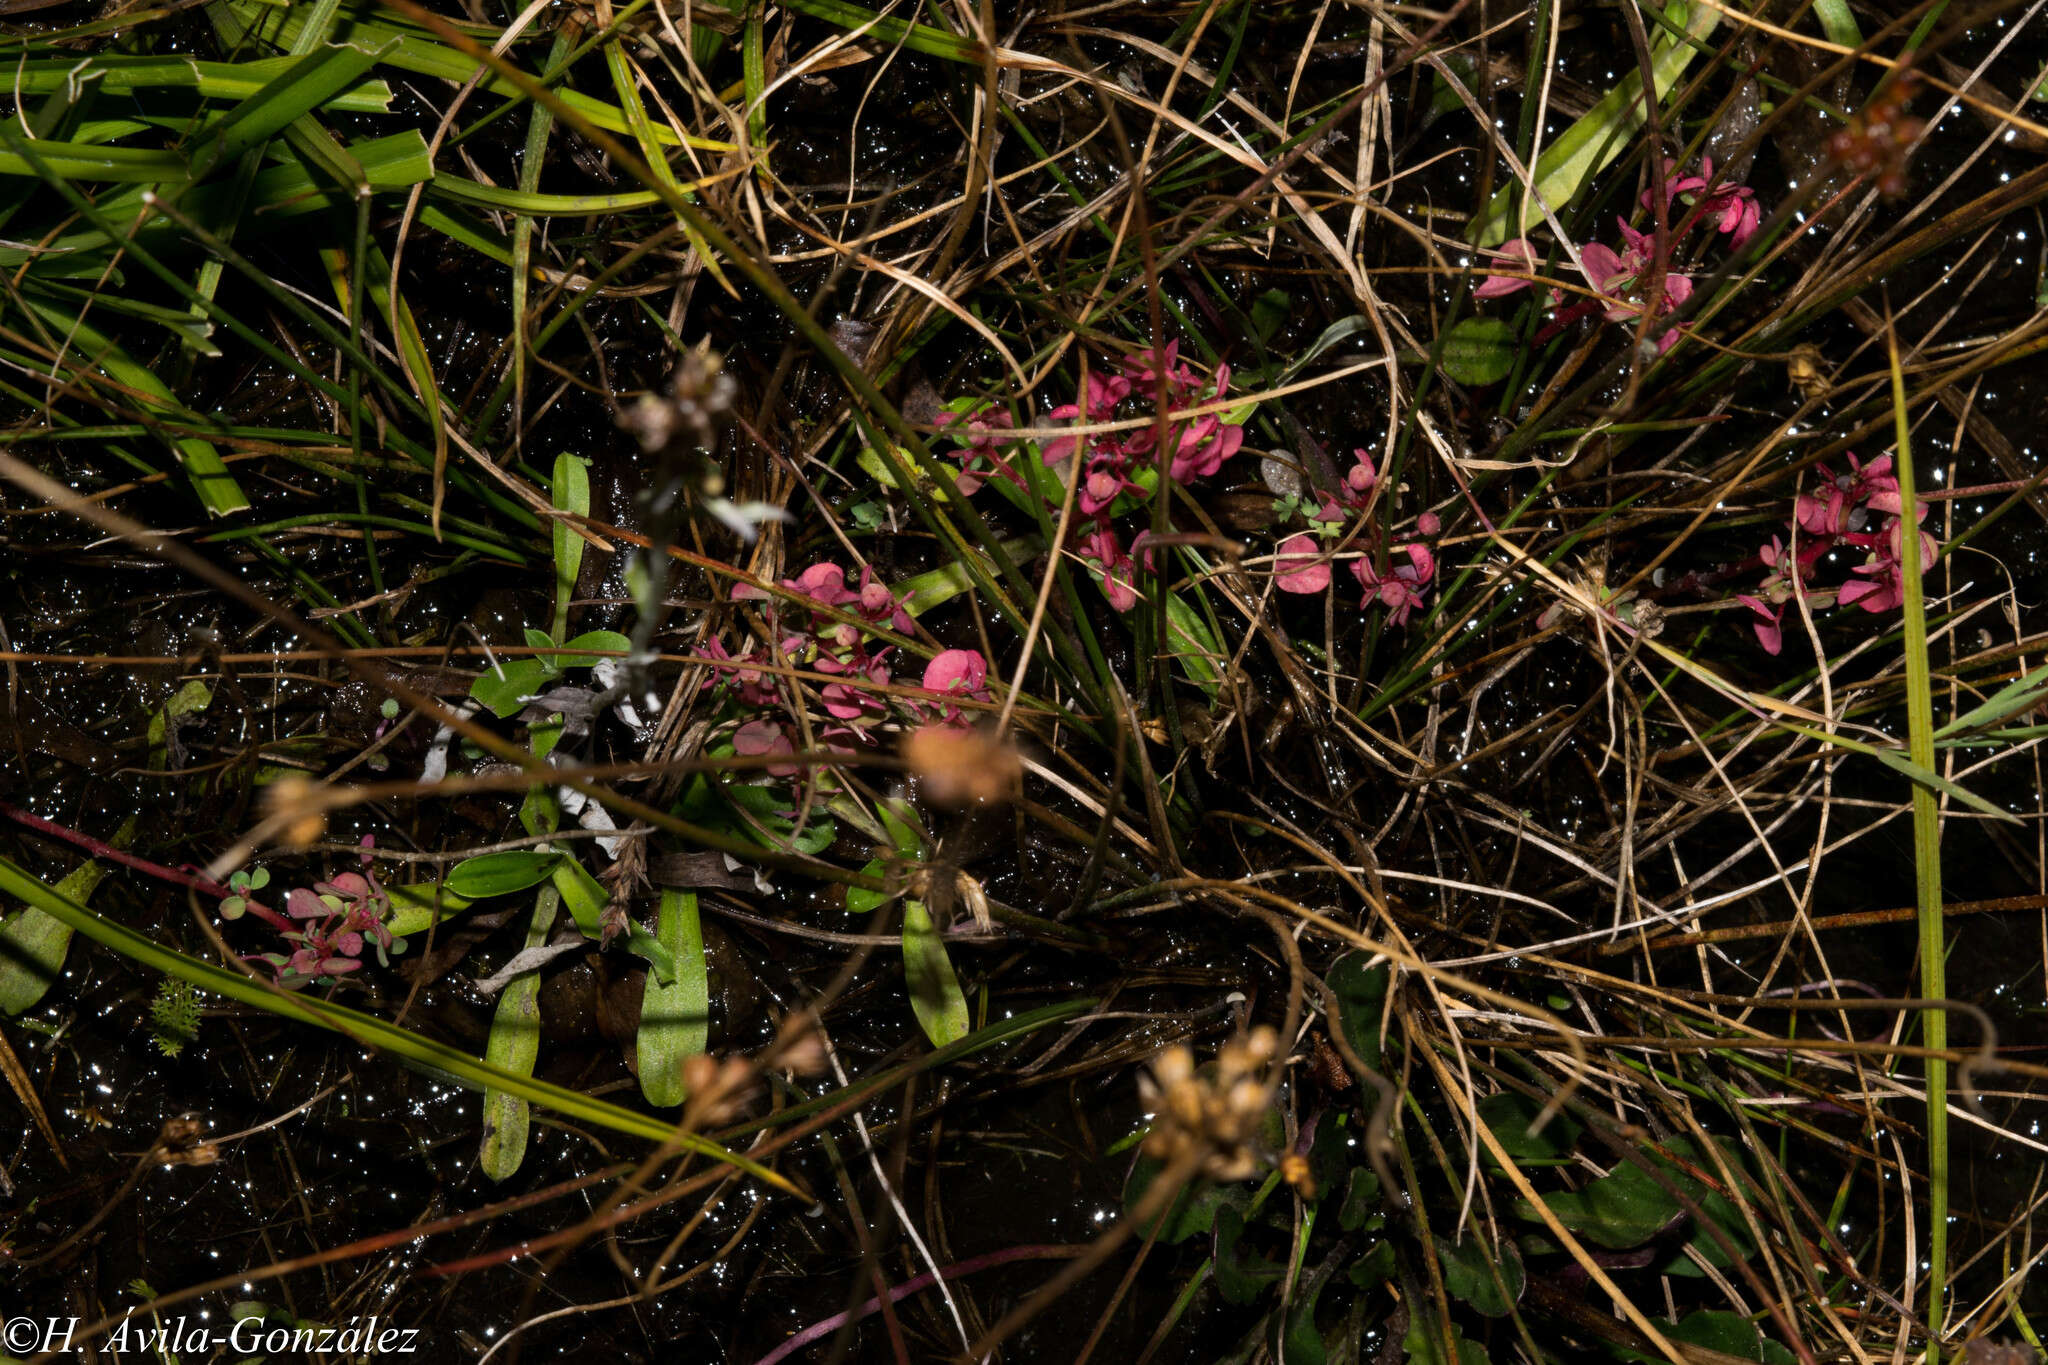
[[957, 670], [1311, 572]]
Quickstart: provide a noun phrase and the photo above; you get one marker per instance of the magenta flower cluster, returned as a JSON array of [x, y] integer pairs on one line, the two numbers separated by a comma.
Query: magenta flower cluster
[[333, 923], [1860, 509], [1621, 280], [1108, 464], [842, 649], [1302, 566]]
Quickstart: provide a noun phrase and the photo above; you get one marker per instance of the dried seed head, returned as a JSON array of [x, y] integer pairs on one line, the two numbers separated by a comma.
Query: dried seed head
[[963, 767], [296, 803], [1217, 1113], [700, 394]]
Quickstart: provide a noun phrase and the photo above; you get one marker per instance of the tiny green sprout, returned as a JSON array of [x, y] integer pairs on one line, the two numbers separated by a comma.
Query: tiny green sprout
[[174, 1016], [867, 516], [389, 709], [241, 884]]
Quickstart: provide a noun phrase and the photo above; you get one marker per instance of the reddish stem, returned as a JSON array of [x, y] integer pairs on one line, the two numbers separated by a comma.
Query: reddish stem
[[915, 1285], [99, 848]]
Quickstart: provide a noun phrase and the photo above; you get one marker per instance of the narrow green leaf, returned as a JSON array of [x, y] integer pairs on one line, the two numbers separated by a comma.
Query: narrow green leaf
[[935, 995], [675, 1019], [462, 190], [33, 942], [501, 874], [218, 492], [1603, 133], [1926, 850], [583, 894], [513, 1047], [571, 495], [83, 161], [307, 83], [365, 1029], [214, 80], [2018, 695]]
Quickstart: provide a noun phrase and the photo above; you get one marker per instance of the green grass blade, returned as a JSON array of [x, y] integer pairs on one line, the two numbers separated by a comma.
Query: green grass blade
[[212, 80], [218, 492], [366, 1029], [33, 942], [307, 83], [1603, 133], [1927, 866]]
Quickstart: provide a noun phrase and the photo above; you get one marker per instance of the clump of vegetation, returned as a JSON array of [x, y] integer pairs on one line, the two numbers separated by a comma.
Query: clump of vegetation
[[1228, 681]]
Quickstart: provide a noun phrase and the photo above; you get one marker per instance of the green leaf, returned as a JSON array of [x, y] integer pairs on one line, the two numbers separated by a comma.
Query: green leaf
[[1626, 1208], [1240, 1276], [1195, 647], [585, 896], [1481, 351], [1729, 1333], [501, 874], [1510, 1115], [1361, 1200], [935, 996], [586, 650], [1421, 1346], [1192, 1212], [572, 495], [1586, 148], [190, 700], [861, 900], [504, 689], [305, 84], [2018, 695], [414, 908], [514, 1046], [218, 492], [33, 943], [1361, 992], [1469, 1273], [1301, 1341], [675, 1017], [1933, 781], [1269, 312], [1619, 1210], [148, 74]]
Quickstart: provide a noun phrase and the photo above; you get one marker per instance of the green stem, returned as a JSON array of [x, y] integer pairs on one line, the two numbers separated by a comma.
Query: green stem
[[1927, 866]]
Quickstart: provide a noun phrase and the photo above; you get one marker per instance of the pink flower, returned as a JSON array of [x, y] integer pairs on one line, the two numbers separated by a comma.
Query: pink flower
[[1402, 588], [760, 737], [1300, 566], [1884, 589], [1105, 554], [957, 670], [1204, 445], [1518, 254], [1768, 625], [957, 673], [1101, 395], [1730, 208], [1361, 476], [848, 701], [981, 452], [824, 583]]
